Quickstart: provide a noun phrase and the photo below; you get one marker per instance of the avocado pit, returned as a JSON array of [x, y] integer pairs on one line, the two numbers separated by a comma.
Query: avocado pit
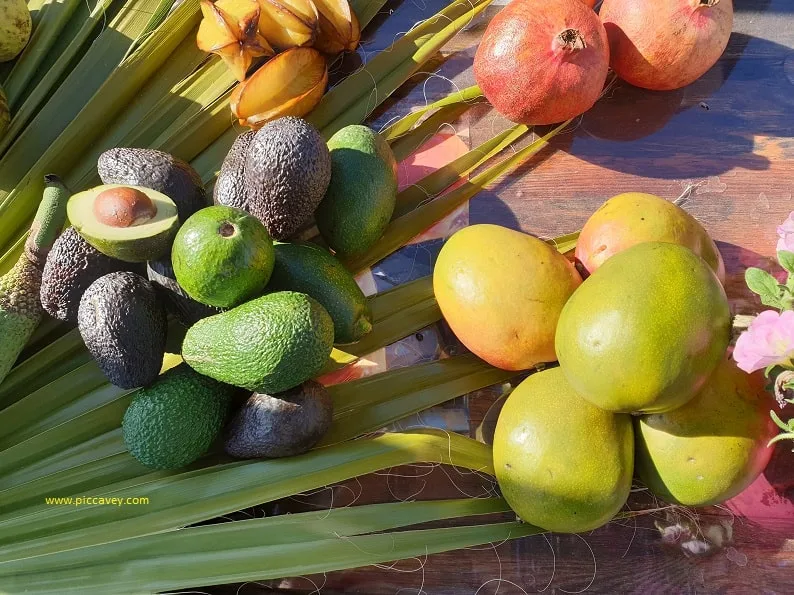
[[123, 206]]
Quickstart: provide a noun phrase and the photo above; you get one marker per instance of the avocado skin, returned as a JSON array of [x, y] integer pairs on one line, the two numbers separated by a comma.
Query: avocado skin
[[309, 269], [362, 193], [156, 170], [72, 266], [230, 189], [175, 421], [223, 271], [268, 345], [282, 425], [287, 171], [124, 328], [187, 310]]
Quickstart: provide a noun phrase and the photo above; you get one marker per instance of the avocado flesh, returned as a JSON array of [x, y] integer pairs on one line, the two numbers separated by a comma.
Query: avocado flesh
[[137, 243], [175, 421], [157, 170]]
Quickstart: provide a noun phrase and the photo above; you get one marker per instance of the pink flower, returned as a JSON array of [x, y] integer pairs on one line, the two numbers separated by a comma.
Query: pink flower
[[786, 233], [768, 340]]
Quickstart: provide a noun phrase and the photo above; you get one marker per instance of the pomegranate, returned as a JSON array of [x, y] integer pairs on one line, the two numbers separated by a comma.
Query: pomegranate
[[543, 61], [666, 44]]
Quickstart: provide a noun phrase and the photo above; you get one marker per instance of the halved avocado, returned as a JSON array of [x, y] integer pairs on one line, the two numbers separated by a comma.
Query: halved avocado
[[130, 223]]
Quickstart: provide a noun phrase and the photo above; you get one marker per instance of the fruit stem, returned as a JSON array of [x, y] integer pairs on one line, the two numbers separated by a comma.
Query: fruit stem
[[49, 220], [570, 40]]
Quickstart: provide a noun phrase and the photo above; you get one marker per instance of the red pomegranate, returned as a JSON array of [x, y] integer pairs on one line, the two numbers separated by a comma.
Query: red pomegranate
[[543, 61], [666, 44]]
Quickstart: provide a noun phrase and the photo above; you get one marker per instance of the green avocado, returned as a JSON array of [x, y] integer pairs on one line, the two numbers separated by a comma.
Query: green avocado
[[222, 256], [561, 463], [175, 421], [72, 266], [287, 170], [361, 196], [645, 331], [712, 448], [130, 223], [281, 425], [268, 345], [123, 326], [156, 170], [309, 269], [187, 310]]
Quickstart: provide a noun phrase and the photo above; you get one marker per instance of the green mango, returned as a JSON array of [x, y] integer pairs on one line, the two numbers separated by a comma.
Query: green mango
[[645, 331], [561, 463], [713, 447]]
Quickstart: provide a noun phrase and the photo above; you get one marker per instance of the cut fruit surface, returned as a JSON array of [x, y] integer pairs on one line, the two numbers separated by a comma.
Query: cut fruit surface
[[148, 238]]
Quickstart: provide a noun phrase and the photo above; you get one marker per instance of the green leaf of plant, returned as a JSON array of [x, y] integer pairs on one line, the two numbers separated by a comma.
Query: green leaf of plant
[[467, 96], [786, 260], [226, 488], [764, 285], [401, 230]]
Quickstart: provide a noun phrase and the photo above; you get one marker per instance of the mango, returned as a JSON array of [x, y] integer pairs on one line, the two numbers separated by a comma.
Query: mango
[[561, 463], [645, 331], [713, 447], [633, 218], [502, 291]]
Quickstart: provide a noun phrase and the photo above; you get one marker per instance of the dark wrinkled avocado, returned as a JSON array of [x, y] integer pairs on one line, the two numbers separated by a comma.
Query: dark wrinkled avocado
[[309, 269], [72, 266], [280, 425], [179, 303], [287, 171], [124, 328], [156, 170], [230, 189]]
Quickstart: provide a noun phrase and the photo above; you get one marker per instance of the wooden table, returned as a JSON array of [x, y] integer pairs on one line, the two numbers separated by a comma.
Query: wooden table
[[728, 142]]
